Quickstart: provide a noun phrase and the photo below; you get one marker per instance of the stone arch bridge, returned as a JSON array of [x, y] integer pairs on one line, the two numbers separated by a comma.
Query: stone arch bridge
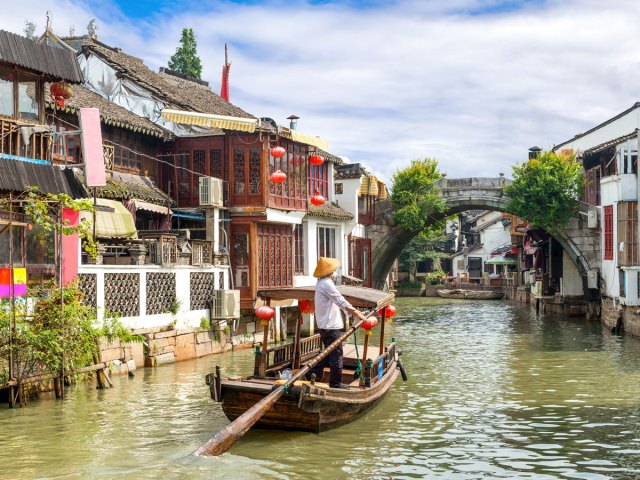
[[477, 193]]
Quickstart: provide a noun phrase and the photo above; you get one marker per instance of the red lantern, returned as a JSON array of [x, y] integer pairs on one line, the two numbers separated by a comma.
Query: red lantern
[[306, 306], [316, 159], [369, 323], [265, 312], [60, 91], [278, 176], [278, 152], [514, 249], [317, 199]]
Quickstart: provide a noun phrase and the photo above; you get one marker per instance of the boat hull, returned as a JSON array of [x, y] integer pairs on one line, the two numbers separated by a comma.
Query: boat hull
[[306, 408], [470, 294]]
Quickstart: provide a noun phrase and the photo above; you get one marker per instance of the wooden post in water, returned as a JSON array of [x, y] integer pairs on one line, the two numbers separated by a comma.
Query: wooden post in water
[[383, 318]]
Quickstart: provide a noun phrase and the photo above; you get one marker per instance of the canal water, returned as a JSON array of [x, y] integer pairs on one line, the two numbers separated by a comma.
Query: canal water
[[493, 392]]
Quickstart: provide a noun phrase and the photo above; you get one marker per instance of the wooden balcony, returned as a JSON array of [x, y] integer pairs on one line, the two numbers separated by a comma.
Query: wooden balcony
[[12, 141]]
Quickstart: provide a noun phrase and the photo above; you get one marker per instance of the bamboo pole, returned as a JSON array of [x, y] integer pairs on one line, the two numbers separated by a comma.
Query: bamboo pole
[[12, 317], [226, 438]]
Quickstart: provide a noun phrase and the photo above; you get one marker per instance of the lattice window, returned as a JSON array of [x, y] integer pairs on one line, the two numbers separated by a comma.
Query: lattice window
[[87, 283], [161, 292], [299, 250], [202, 288], [608, 232], [293, 192], [216, 163], [318, 179], [241, 258], [276, 255], [163, 249], [221, 285], [122, 293], [255, 180], [627, 233], [239, 184], [202, 252]]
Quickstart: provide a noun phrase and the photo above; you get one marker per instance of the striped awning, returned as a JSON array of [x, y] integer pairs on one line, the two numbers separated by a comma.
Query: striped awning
[[113, 220], [210, 120], [370, 185], [300, 137]]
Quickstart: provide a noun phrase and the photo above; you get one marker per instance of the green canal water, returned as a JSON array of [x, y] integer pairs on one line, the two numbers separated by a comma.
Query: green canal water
[[493, 392]]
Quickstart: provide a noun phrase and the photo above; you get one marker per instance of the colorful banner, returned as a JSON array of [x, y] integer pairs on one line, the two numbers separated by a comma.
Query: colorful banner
[[19, 282], [5, 282]]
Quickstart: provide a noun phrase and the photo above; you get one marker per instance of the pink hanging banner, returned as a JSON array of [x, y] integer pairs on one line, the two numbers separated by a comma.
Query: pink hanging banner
[[70, 247], [92, 152]]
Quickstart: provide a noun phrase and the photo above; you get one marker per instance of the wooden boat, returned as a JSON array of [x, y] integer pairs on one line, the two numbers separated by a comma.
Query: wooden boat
[[470, 294], [313, 406]]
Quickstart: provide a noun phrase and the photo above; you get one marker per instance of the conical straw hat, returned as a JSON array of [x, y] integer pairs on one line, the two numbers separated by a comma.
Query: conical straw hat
[[326, 266]]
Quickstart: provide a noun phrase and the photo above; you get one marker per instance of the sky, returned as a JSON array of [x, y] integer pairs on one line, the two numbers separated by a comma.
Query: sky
[[472, 83]]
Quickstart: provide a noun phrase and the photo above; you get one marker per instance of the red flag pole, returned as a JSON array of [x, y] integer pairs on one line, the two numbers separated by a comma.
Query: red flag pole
[[224, 89]]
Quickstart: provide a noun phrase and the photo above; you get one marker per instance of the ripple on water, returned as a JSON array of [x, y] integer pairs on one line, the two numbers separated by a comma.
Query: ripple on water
[[494, 391]]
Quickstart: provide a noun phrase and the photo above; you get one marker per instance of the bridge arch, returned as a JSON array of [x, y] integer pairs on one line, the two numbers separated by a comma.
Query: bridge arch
[[388, 240]]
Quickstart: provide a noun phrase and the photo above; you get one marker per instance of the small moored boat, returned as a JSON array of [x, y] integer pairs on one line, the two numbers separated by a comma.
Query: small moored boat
[[312, 405], [470, 294]]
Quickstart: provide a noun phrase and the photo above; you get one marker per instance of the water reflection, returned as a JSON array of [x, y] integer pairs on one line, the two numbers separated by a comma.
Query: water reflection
[[493, 392]]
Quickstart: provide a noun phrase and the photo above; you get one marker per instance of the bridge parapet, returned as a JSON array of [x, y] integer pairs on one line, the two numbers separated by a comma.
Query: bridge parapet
[[473, 183]]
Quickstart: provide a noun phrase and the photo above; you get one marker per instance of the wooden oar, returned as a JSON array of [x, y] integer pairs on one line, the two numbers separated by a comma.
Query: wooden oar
[[225, 439]]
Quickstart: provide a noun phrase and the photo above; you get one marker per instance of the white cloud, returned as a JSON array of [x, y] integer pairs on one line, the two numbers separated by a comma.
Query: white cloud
[[387, 84]]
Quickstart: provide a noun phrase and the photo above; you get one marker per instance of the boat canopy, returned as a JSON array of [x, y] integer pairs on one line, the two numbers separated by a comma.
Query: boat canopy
[[359, 297]]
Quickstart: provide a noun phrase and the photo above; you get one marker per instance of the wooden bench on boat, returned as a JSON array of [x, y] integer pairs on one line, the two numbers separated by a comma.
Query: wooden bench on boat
[[306, 405]]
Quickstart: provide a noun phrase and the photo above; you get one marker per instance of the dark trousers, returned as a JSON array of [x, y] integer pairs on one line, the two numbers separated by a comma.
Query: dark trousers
[[334, 359]]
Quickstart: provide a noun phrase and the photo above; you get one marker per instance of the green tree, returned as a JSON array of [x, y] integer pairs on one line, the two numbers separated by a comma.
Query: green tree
[[186, 59], [545, 189], [416, 198], [426, 245]]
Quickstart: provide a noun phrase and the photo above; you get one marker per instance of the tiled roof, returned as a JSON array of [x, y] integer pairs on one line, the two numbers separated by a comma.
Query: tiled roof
[[330, 157], [55, 63], [329, 210], [126, 186], [176, 92], [19, 176], [110, 113], [350, 170]]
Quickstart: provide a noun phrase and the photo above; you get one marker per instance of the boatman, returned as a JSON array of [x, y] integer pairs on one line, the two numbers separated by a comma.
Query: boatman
[[328, 303]]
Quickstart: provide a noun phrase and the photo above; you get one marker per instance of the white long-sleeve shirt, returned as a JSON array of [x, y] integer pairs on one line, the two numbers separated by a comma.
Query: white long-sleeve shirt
[[328, 302]]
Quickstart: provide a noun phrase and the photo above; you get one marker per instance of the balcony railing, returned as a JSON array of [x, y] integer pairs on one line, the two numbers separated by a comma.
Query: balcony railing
[[17, 138]]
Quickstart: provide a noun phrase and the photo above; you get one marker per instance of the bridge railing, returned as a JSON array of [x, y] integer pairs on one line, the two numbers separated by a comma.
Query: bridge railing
[[473, 182]]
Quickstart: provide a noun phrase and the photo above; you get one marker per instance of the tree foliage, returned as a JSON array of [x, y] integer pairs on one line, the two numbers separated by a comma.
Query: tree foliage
[[545, 189], [415, 195], [424, 246], [186, 59]]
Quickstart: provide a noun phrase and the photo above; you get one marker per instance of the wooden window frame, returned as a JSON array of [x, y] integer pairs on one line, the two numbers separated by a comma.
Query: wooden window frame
[[318, 179], [292, 193], [298, 238], [608, 232], [627, 223]]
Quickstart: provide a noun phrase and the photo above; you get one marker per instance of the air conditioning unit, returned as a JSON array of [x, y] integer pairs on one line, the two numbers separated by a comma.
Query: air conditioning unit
[[226, 304], [631, 283], [210, 192]]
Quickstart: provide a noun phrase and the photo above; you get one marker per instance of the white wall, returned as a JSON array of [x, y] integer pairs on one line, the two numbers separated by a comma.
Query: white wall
[[184, 318], [609, 195], [310, 232], [617, 128], [571, 279], [348, 200]]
